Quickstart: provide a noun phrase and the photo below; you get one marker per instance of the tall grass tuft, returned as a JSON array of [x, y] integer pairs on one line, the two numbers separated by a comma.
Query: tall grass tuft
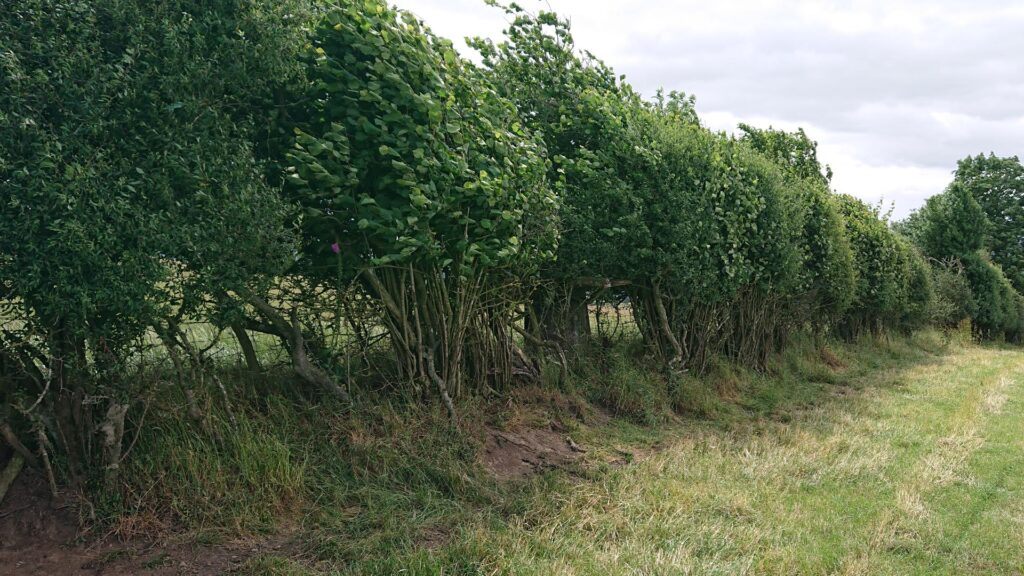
[[241, 471]]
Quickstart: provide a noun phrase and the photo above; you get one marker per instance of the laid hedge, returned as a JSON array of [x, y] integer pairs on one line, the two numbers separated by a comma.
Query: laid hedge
[[400, 219]]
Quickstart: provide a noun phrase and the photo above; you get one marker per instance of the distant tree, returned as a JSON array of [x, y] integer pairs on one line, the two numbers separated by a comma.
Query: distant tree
[[998, 186], [951, 224], [952, 229]]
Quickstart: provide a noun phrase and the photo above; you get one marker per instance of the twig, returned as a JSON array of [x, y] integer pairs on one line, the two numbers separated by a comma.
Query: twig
[[42, 395], [15, 511], [45, 456]]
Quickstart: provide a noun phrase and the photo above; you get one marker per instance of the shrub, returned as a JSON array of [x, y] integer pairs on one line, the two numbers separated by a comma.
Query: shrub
[[997, 301], [831, 277], [954, 300], [920, 289], [132, 195], [418, 180]]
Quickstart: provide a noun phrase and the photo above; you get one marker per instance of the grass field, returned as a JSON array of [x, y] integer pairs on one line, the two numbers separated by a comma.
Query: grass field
[[919, 473], [907, 459]]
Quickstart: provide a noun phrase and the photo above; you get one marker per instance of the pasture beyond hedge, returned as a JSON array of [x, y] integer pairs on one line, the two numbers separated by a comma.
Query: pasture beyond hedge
[[339, 190]]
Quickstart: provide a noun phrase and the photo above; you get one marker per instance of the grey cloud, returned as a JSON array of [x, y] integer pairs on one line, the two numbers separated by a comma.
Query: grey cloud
[[885, 89]]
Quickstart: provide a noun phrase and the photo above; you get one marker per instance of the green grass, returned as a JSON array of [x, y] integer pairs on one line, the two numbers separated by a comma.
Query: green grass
[[897, 456]]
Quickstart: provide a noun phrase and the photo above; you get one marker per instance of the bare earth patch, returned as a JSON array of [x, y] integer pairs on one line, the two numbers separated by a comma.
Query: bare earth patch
[[38, 538], [516, 454], [434, 537]]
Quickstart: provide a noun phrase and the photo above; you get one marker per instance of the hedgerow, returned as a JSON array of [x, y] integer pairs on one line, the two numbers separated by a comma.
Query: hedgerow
[[402, 221], [418, 180]]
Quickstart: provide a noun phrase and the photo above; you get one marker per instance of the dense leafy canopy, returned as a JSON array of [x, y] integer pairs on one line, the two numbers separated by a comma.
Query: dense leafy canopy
[[411, 155], [794, 152], [950, 224], [998, 186], [953, 230], [131, 193], [829, 273], [702, 230], [885, 266], [593, 129], [125, 155]]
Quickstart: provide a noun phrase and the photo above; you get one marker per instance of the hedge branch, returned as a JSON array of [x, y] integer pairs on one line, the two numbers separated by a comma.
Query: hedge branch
[[300, 360], [9, 474]]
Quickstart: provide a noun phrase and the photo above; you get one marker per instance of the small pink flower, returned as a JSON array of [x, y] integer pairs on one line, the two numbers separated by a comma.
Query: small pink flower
[[336, 248]]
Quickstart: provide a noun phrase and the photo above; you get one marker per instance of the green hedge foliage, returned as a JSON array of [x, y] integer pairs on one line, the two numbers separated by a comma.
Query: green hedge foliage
[[132, 196], [998, 304], [411, 156], [886, 263]]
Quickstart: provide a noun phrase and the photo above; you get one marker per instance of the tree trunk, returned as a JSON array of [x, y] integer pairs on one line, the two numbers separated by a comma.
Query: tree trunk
[[567, 322], [252, 361], [666, 327], [113, 434]]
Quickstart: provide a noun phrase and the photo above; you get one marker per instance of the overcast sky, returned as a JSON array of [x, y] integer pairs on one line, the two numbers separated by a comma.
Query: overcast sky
[[893, 91]]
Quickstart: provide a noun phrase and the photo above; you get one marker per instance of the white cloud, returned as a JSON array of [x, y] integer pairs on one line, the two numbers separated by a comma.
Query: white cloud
[[894, 91]]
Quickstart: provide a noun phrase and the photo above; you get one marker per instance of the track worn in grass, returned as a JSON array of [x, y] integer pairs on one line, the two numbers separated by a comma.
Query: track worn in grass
[[908, 470]]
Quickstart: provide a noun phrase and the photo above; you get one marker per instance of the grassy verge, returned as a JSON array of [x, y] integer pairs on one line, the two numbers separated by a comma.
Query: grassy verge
[[885, 456]]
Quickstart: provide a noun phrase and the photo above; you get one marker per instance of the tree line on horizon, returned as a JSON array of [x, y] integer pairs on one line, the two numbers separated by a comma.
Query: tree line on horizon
[[400, 220]]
